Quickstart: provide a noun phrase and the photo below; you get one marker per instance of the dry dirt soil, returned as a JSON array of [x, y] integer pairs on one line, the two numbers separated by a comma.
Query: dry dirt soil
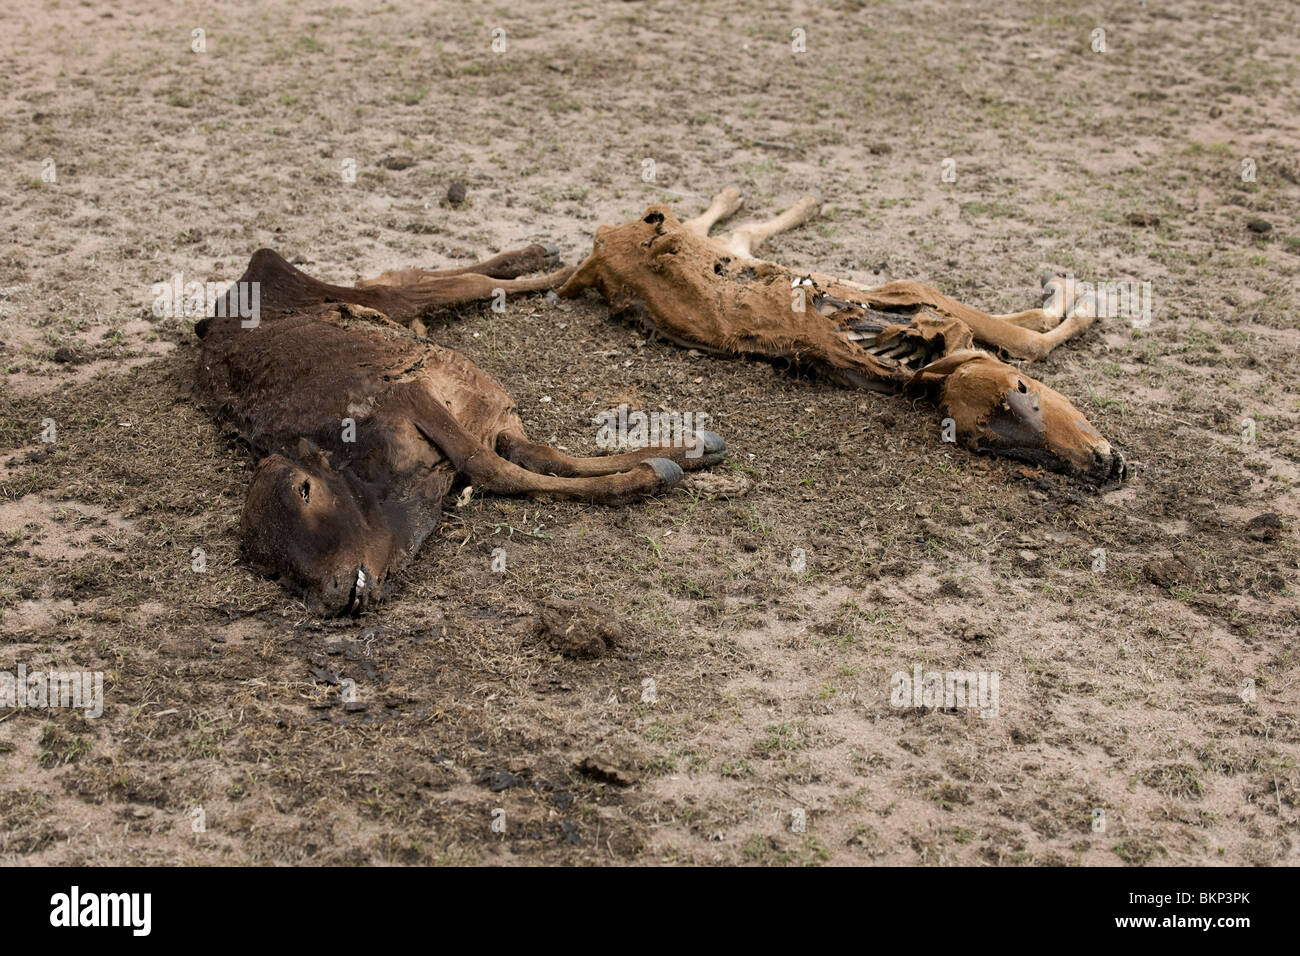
[[127, 157]]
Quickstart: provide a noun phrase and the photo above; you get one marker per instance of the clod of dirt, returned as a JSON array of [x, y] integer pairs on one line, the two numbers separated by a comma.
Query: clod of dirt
[[456, 193], [499, 780], [1260, 226], [397, 163], [64, 355], [1143, 219], [607, 770], [950, 588], [1029, 561], [1169, 572], [973, 633], [579, 629], [1026, 734], [1265, 527]]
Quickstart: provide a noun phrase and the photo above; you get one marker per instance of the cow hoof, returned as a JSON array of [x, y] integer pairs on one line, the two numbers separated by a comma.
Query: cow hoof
[[551, 258], [1110, 470], [669, 471], [706, 450], [713, 442]]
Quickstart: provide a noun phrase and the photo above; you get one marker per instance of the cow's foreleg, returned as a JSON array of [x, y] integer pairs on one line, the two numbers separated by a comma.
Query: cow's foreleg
[[699, 450], [1019, 339], [1025, 341], [488, 470], [517, 262], [1036, 320], [1060, 302], [479, 287]]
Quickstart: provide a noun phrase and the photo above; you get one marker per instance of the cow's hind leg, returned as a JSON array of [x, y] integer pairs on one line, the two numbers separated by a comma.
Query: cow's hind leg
[[700, 450], [519, 262], [726, 203], [745, 240], [507, 265], [448, 291]]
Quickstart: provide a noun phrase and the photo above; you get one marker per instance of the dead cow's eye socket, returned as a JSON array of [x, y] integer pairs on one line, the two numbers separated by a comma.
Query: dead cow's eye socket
[[305, 490], [1021, 386]]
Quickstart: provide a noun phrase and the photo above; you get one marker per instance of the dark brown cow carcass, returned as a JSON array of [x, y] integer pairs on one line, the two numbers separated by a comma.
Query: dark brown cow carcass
[[361, 428]]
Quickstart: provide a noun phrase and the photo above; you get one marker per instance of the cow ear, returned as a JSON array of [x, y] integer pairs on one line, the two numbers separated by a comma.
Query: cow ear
[[941, 368]]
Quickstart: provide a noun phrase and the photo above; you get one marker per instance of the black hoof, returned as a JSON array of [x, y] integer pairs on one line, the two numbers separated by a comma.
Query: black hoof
[[669, 472], [713, 442]]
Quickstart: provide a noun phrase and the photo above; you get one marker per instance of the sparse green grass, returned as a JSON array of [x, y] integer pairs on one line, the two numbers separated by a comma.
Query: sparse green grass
[[58, 748]]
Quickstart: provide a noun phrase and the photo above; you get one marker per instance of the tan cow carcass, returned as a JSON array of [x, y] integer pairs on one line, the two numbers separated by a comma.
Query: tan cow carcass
[[712, 294]]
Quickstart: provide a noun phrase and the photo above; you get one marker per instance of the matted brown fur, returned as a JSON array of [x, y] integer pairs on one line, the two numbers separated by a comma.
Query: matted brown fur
[[362, 428]]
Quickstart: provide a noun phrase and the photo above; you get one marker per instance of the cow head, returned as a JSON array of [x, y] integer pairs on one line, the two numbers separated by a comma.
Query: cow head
[[321, 528], [997, 408]]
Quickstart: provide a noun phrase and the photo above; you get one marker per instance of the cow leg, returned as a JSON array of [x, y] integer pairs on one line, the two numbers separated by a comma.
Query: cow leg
[[484, 287], [1038, 320], [483, 467], [515, 263], [1024, 341], [746, 239], [507, 265], [1060, 304], [706, 449], [447, 291], [1020, 340], [725, 204]]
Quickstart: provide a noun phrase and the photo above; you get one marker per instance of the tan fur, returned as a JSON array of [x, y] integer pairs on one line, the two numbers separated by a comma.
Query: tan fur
[[712, 294]]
